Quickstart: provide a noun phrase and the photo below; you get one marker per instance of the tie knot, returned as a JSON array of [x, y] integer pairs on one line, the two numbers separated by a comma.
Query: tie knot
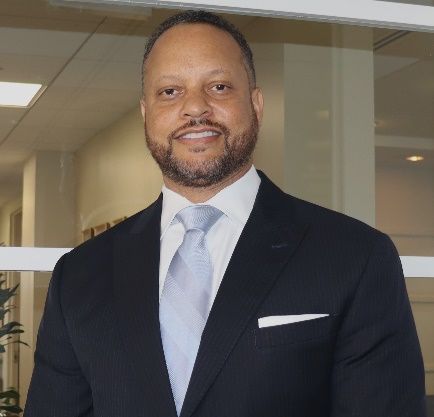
[[199, 217]]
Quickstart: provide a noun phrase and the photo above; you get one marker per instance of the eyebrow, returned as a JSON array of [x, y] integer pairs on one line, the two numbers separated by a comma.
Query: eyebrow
[[212, 73]]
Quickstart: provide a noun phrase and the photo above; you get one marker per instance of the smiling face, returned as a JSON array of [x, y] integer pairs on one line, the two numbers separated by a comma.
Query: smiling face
[[201, 114]]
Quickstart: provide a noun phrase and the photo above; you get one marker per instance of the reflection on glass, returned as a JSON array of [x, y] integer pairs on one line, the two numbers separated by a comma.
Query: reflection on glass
[[404, 106], [76, 164], [404, 166]]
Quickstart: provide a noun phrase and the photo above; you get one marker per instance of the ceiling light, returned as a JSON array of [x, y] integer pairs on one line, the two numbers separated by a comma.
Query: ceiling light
[[415, 158], [323, 114], [19, 94]]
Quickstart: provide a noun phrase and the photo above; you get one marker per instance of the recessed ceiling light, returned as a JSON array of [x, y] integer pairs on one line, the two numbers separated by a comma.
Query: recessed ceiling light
[[415, 158], [19, 94], [323, 114]]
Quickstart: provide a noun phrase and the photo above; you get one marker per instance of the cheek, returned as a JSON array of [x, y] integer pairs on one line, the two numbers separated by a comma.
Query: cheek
[[235, 116], [159, 124]]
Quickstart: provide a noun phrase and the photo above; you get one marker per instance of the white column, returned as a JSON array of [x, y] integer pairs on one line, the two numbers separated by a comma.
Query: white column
[[308, 129], [354, 130], [48, 221], [329, 122]]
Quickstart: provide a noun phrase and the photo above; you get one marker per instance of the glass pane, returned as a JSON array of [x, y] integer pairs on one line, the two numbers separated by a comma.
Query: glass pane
[[404, 166], [345, 105]]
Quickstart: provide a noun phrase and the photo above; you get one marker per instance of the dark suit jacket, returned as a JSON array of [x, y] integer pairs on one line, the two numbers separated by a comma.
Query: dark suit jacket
[[99, 350]]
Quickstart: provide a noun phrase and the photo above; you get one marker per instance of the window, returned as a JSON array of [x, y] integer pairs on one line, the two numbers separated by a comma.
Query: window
[[346, 105]]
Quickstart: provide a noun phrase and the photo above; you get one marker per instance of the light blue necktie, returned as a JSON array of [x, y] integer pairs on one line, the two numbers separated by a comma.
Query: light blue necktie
[[186, 297]]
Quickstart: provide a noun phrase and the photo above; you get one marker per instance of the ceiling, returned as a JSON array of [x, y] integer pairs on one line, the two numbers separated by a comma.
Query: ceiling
[[90, 62]]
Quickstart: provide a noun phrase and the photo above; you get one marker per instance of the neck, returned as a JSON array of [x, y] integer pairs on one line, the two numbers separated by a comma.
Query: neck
[[201, 194]]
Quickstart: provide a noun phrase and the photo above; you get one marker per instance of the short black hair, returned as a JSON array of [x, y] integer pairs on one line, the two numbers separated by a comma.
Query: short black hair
[[201, 16]]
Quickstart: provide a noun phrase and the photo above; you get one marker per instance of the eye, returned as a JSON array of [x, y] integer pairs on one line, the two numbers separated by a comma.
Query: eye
[[168, 92], [220, 87]]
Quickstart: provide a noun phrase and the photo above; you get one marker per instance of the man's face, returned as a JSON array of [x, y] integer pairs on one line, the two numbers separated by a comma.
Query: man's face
[[201, 115]]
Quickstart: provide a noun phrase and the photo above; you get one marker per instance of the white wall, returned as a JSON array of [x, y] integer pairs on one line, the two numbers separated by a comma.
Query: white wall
[[48, 220], [329, 136]]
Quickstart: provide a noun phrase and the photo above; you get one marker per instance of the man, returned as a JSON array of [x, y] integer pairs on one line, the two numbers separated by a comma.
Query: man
[[226, 297]]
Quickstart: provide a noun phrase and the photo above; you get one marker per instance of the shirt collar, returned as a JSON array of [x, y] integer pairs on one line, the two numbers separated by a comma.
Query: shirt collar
[[235, 201]]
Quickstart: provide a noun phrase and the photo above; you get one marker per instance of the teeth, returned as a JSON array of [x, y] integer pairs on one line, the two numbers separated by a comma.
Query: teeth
[[199, 135]]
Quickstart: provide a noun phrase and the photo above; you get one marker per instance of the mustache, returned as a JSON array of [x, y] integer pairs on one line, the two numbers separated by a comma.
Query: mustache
[[199, 122]]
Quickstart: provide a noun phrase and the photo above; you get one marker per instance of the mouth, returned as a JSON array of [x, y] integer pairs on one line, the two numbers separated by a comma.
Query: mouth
[[198, 134]]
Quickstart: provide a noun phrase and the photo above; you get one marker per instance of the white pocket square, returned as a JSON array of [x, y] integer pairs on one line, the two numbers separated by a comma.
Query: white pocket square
[[293, 318]]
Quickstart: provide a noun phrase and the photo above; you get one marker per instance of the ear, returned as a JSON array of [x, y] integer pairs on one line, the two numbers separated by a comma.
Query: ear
[[142, 107], [258, 103]]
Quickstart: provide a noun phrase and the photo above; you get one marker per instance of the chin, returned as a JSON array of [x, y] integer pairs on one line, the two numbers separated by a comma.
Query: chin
[[197, 164], [199, 157]]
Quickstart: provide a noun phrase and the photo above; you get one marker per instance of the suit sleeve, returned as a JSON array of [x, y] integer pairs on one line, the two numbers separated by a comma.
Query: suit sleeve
[[378, 368], [58, 387]]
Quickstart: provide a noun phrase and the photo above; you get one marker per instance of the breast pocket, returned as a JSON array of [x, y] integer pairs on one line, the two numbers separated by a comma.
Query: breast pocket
[[295, 333]]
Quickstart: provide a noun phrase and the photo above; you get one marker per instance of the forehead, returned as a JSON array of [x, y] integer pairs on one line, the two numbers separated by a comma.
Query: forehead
[[193, 43]]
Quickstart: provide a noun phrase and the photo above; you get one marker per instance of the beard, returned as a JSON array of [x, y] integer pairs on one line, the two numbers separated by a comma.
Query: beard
[[238, 150]]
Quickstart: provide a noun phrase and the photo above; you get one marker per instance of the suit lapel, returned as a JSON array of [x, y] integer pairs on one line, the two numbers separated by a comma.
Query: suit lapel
[[136, 268], [269, 239]]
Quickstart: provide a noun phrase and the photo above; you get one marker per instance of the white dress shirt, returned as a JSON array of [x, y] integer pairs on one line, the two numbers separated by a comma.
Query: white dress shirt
[[235, 201]]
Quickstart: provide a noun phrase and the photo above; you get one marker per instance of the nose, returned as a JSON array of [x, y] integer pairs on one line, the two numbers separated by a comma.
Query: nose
[[196, 105]]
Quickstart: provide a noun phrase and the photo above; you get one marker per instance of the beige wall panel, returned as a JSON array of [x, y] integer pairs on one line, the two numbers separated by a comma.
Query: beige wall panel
[[5, 215], [116, 175], [269, 154]]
